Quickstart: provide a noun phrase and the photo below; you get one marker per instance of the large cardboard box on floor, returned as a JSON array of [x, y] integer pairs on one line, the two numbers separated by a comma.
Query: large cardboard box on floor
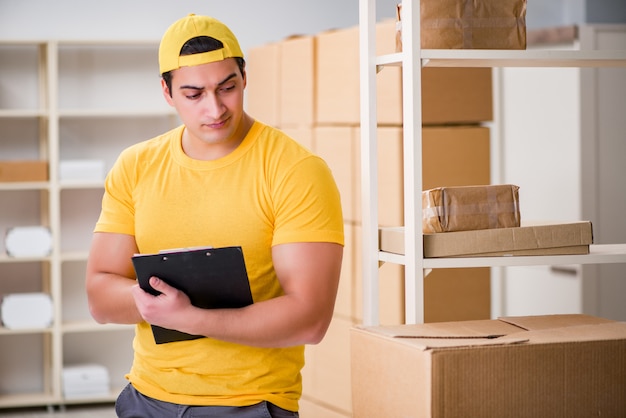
[[538, 366]]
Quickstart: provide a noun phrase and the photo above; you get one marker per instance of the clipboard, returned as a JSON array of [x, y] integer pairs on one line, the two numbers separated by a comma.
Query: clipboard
[[212, 278]]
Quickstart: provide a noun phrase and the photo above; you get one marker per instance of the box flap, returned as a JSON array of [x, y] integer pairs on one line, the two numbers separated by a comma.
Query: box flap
[[553, 321], [607, 331], [450, 334]]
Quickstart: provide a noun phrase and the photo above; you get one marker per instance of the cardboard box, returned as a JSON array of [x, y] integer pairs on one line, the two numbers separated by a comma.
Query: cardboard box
[[449, 95], [469, 24], [456, 95], [537, 239], [297, 82], [263, 83], [467, 208], [337, 86], [455, 156], [452, 156], [541, 366], [23, 170]]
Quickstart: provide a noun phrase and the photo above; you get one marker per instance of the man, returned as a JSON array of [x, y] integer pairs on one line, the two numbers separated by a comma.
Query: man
[[220, 179]]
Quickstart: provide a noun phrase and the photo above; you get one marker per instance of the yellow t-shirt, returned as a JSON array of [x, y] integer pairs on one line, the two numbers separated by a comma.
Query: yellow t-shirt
[[268, 191]]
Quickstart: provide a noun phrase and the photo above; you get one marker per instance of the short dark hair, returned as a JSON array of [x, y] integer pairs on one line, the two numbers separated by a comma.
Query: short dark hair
[[199, 45]]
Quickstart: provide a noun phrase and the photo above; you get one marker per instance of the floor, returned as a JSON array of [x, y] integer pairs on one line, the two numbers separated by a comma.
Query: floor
[[93, 411]]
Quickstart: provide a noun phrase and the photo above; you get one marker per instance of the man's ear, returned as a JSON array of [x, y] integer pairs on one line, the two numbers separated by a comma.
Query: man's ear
[[166, 93]]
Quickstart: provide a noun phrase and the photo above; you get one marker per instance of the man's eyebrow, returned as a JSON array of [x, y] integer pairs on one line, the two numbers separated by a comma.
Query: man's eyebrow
[[224, 81], [227, 78]]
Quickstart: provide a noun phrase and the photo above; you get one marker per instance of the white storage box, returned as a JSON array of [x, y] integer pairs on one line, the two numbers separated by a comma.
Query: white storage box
[[26, 310], [85, 381], [81, 170], [28, 241]]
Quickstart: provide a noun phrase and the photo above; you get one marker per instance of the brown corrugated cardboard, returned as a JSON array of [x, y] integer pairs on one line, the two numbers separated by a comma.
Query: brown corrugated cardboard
[[263, 83], [337, 87], [449, 95], [297, 84], [535, 239], [467, 208], [23, 170], [554, 365], [455, 156], [328, 366], [337, 146], [456, 95], [457, 294], [469, 24]]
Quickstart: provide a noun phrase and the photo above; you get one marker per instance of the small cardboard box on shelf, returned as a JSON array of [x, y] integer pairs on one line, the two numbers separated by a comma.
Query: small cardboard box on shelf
[[467, 208], [531, 238], [23, 170], [469, 24], [552, 365]]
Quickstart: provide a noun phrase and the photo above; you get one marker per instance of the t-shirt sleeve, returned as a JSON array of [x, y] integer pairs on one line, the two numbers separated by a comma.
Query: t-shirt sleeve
[[118, 212], [308, 205]]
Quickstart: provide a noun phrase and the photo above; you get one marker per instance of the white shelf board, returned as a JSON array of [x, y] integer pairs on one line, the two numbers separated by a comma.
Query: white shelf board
[[5, 258], [89, 325], [598, 254], [22, 331], [511, 58], [22, 113], [24, 185], [115, 113], [81, 184], [30, 399]]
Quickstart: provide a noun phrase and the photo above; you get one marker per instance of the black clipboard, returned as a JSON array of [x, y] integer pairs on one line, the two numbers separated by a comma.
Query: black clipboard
[[213, 278]]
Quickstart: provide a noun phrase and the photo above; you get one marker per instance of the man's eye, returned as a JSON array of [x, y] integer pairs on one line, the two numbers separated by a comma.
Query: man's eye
[[227, 88], [193, 96]]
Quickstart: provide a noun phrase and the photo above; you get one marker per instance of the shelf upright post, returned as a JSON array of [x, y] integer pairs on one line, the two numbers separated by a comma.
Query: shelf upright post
[[412, 136], [369, 160], [55, 214]]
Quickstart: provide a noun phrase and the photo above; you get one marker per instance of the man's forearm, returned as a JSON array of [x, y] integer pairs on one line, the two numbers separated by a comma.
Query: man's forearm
[[110, 299]]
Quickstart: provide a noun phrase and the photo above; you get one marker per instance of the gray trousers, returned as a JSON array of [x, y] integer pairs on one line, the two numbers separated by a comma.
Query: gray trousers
[[132, 404]]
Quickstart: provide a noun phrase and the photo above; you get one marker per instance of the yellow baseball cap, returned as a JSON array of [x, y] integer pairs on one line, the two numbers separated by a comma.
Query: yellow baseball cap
[[190, 27]]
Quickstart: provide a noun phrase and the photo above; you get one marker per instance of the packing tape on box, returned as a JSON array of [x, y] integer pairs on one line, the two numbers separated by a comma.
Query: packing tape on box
[[447, 209]]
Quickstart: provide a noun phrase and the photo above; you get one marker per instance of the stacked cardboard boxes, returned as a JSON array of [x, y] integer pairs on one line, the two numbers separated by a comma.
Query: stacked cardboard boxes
[[309, 87]]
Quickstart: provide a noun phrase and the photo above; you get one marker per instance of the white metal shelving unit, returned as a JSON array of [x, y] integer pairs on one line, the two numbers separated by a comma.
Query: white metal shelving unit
[[67, 100], [412, 59]]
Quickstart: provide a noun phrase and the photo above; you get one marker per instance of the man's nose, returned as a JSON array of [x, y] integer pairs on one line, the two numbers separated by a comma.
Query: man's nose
[[213, 106]]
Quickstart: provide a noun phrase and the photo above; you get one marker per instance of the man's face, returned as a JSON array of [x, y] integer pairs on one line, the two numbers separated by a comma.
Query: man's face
[[209, 101]]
